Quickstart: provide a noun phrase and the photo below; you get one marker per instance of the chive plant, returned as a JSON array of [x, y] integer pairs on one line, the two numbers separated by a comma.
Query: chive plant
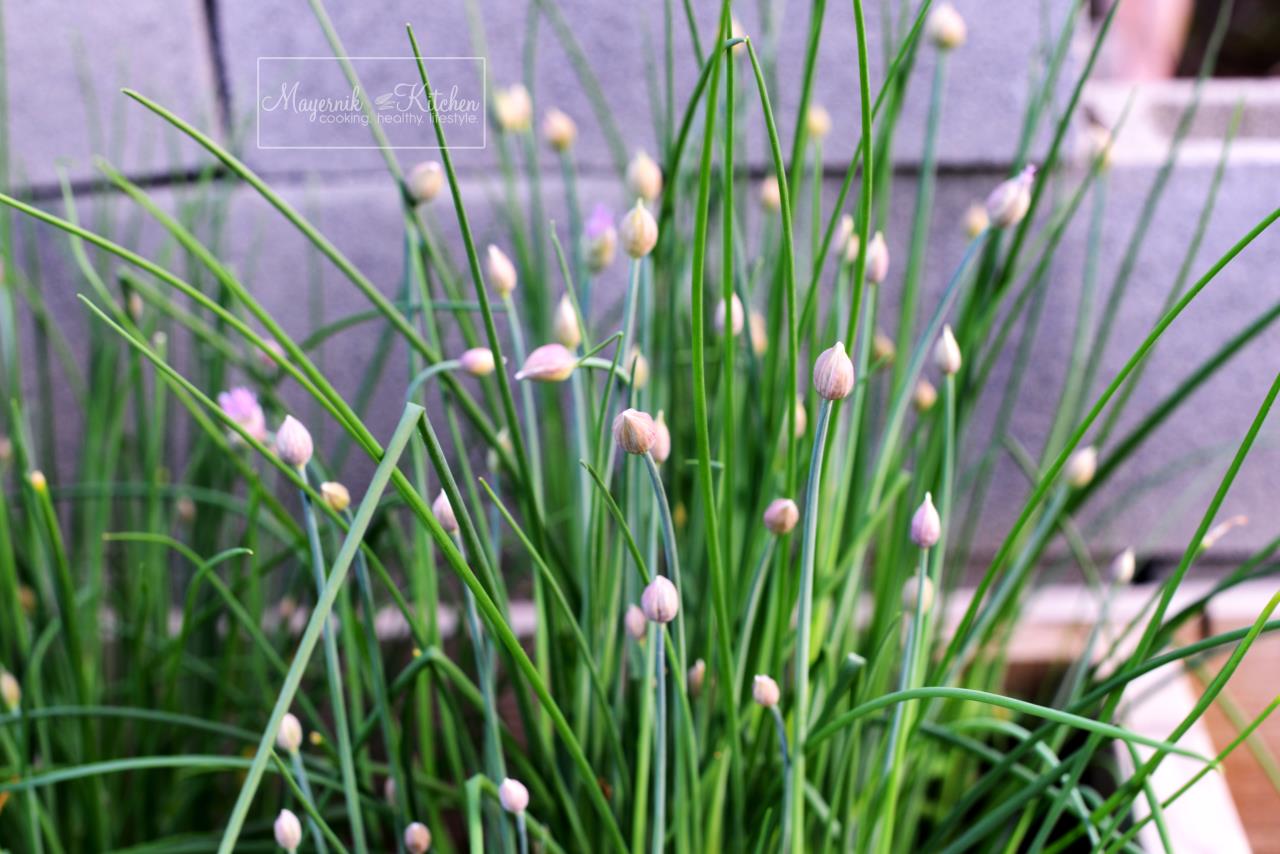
[[165, 591]]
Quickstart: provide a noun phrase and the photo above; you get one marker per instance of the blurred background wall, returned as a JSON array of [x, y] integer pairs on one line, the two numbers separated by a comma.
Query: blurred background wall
[[65, 63]]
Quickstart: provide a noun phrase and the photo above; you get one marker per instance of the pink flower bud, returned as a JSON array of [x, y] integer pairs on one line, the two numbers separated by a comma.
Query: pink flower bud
[[289, 735], [926, 526], [1010, 201], [765, 691], [696, 677], [634, 431], [425, 181], [833, 373], [417, 839], [565, 325], [241, 406], [781, 516], [293, 443], [877, 259], [550, 363], [513, 796], [660, 601], [644, 177], [477, 361], [946, 353], [639, 231], [288, 831], [443, 511], [634, 622], [559, 130], [661, 449], [500, 270]]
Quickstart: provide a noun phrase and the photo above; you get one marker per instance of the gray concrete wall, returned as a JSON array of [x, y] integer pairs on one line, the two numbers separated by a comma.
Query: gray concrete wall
[[200, 59]]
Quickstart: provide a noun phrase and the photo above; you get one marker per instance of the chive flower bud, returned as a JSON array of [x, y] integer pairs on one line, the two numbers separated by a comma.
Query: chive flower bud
[[559, 130], [759, 332], [818, 121], [833, 373], [443, 511], [661, 449], [946, 353], [478, 361], [644, 177], [289, 735], [185, 508], [513, 796], [765, 691], [634, 431], [913, 589], [771, 193], [38, 481], [335, 495], [1123, 567], [293, 443], [1081, 467], [924, 396], [639, 231], [1220, 530], [550, 363], [500, 270], [288, 831], [241, 406], [944, 27], [736, 315], [634, 622], [425, 181], [660, 601], [565, 325], [10, 691], [802, 417], [737, 31], [926, 526], [877, 259], [843, 233], [976, 220], [637, 368], [697, 676], [1010, 201], [417, 839], [882, 348], [601, 238], [513, 108], [781, 516]]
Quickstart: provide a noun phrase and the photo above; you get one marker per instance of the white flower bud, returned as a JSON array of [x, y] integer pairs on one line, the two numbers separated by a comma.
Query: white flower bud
[[661, 449], [337, 496], [877, 259], [10, 691], [634, 431], [946, 353], [843, 232], [944, 27], [513, 108], [500, 270], [759, 332], [1123, 566], [443, 511], [765, 691], [1081, 467], [513, 796], [696, 678], [926, 526], [802, 417], [637, 368], [660, 601], [770, 193], [634, 622], [644, 177], [550, 363], [417, 839], [478, 361], [565, 325], [288, 831], [781, 516], [833, 373], [976, 220], [639, 231], [736, 315], [289, 735], [38, 481], [425, 181], [818, 121], [559, 130], [293, 443], [925, 396], [1010, 201]]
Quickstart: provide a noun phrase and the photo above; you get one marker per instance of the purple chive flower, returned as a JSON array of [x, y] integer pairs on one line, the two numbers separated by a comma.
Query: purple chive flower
[[241, 406]]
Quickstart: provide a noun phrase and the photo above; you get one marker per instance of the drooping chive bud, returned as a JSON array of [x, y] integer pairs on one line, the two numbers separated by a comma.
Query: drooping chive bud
[[660, 601], [1081, 467], [737, 31], [550, 363], [634, 431], [644, 177], [833, 373], [946, 353], [1010, 201], [661, 449], [634, 622], [477, 361], [335, 495], [293, 443], [443, 511], [565, 326], [736, 315], [559, 130], [759, 331], [765, 691], [882, 348], [425, 181], [924, 396], [1123, 567], [770, 193], [1220, 530], [975, 220], [639, 231], [877, 259], [513, 108], [10, 691], [289, 735], [637, 368], [513, 796], [241, 406], [818, 121], [917, 589], [500, 270], [601, 238], [802, 417], [944, 28], [38, 481], [417, 839], [288, 831], [781, 516], [697, 676], [926, 526]]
